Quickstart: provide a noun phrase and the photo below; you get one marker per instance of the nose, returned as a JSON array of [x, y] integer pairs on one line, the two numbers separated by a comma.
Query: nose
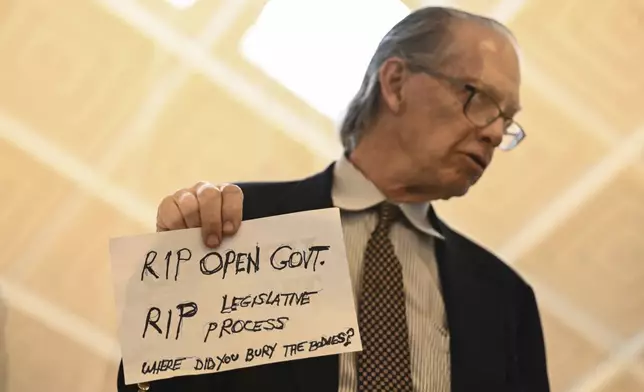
[[493, 133]]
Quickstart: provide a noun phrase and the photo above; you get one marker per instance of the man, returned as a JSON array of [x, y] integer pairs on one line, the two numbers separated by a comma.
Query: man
[[437, 312]]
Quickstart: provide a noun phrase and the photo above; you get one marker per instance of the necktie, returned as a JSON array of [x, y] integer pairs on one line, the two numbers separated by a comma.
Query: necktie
[[384, 363]]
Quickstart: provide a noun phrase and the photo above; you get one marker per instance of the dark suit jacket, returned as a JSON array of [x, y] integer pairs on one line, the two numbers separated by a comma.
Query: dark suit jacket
[[496, 337]]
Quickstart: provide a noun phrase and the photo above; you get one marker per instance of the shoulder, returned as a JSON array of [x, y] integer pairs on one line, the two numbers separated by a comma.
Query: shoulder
[[492, 266], [265, 189], [262, 199], [266, 198]]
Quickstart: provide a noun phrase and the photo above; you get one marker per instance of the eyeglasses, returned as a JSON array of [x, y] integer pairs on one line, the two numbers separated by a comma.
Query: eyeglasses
[[482, 110]]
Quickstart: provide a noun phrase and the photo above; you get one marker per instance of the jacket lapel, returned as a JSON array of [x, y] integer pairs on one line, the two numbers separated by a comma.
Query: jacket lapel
[[476, 313]]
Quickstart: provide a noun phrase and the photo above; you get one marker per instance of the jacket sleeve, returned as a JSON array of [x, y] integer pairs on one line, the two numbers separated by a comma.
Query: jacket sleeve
[[120, 382], [192, 383], [531, 352]]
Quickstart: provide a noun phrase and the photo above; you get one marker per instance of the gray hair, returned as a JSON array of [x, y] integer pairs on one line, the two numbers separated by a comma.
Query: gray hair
[[422, 36]]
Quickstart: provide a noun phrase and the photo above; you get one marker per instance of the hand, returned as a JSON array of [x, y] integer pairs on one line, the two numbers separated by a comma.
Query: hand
[[217, 209]]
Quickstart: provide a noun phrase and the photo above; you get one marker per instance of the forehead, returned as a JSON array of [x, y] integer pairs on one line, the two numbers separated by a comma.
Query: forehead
[[488, 57]]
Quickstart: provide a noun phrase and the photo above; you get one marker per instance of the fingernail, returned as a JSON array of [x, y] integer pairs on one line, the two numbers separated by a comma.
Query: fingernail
[[228, 227], [213, 241]]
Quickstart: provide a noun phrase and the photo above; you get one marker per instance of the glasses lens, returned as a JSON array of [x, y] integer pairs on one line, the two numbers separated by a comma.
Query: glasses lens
[[513, 136], [482, 110]]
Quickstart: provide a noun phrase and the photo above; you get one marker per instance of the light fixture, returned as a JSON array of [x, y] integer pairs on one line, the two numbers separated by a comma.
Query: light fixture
[[319, 49], [182, 4]]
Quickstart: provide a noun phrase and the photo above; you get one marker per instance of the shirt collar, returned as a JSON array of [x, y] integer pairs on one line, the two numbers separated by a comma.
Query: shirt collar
[[352, 191]]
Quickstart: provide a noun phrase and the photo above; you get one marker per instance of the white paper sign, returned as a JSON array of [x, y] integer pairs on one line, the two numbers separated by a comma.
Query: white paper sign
[[278, 290]]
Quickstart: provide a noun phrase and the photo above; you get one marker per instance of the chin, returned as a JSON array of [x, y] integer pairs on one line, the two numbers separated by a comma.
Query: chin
[[456, 189], [451, 195], [455, 186]]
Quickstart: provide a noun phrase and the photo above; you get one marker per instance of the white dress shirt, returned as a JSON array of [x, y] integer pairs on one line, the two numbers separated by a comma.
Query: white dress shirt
[[413, 240]]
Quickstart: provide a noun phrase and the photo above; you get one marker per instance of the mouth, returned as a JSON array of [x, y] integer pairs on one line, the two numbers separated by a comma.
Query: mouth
[[482, 163]]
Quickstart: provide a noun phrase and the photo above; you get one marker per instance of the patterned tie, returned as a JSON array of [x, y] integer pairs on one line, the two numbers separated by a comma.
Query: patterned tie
[[384, 364]]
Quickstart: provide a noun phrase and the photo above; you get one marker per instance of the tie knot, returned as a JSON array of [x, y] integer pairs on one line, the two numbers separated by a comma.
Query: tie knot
[[387, 214]]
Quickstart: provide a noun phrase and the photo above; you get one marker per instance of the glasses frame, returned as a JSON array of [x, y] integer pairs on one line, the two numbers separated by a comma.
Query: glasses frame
[[517, 137]]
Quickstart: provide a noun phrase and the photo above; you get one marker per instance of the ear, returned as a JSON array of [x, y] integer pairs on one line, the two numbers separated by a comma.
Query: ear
[[392, 75]]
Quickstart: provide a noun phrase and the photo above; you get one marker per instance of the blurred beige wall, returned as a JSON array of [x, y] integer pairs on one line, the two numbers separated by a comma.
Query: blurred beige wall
[[107, 105]]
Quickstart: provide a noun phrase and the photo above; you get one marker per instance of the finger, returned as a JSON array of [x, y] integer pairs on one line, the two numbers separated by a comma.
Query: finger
[[168, 216], [231, 208], [209, 198], [187, 203]]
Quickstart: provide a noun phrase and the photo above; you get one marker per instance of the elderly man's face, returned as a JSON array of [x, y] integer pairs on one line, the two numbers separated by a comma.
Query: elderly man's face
[[445, 150]]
